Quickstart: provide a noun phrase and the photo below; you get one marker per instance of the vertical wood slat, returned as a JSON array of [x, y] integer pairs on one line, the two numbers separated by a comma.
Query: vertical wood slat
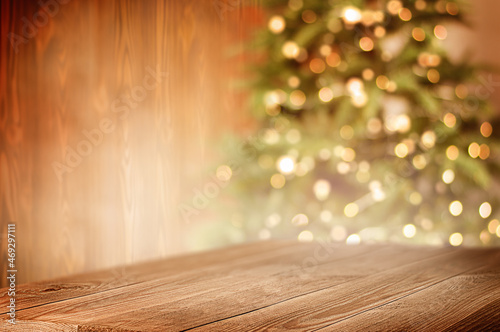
[[120, 203]]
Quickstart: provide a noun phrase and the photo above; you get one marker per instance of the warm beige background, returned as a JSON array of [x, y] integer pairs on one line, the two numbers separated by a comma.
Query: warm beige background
[[119, 205]]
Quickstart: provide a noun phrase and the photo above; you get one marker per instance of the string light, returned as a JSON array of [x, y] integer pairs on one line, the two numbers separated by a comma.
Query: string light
[[351, 210], [321, 189], [317, 66], [366, 44], [428, 139], [293, 81], [276, 24], [419, 161], [486, 129], [452, 152], [286, 165], [379, 32], [485, 210], [448, 176], [404, 14], [456, 239], [353, 239], [433, 75], [306, 236], [325, 50], [348, 155], [401, 150], [426, 59], [355, 87], [440, 32], [474, 150], [278, 181], [409, 230], [484, 151], [297, 98], [418, 34], [378, 194], [351, 15], [333, 60], [456, 208], [325, 94], [493, 225], [290, 50], [368, 74], [382, 82], [449, 120]]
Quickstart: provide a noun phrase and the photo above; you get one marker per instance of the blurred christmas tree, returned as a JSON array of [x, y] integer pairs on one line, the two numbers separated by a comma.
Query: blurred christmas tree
[[368, 131]]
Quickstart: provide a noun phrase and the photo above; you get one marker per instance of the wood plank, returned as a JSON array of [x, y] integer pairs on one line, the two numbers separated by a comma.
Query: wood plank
[[325, 307], [22, 325], [251, 292], [285, 285], [186, 301], [38, 293], [466, 302]]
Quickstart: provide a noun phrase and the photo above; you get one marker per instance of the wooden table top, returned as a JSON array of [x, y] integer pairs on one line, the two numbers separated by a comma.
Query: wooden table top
[[275, 286]]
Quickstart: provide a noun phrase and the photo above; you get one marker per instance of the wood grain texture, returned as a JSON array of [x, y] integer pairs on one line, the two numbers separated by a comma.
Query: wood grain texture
[[119, 202], [277, 286], [458, 304]]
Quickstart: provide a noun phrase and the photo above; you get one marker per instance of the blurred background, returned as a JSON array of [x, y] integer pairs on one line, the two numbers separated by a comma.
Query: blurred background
[[111, 117]]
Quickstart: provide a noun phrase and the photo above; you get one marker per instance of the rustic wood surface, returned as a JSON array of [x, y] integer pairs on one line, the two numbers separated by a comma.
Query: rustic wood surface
[[275, 285]]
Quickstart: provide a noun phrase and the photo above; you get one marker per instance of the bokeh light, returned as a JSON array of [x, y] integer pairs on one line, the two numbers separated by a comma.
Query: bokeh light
[[456, 208], [409, 230], [351, 210], [456, 239], [485, 210], [276, 24]]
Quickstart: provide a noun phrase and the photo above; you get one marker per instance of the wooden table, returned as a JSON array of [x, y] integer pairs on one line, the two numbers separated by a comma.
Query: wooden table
[[275, 286]]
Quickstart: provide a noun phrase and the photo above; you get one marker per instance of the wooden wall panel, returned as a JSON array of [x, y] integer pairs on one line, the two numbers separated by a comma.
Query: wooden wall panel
[[119, 203]]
